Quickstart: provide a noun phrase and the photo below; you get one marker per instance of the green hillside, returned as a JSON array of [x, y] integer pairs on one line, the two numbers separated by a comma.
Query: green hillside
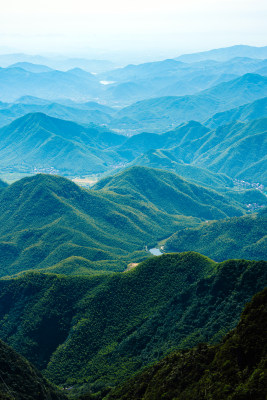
[[234, 369], [248, 112], [162, 113], [46, 219], [168, 192], [101, 329], [220, 150], [164, 159], [36, 140], [238, 237], [239, 148], [20, 380], [82, 113]]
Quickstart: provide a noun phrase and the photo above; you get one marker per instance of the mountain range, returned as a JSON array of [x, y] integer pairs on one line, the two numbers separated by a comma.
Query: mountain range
[[102, 329], [45, 219], [239, 237], [212, 157], [172, 156], [161, 113]]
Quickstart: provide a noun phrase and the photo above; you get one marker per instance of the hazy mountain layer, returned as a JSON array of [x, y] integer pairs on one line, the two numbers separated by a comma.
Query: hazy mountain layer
[[174, 78], [226, 53], [162, 113], [39, 141], [248, 112], [80, 113], [75, 84]]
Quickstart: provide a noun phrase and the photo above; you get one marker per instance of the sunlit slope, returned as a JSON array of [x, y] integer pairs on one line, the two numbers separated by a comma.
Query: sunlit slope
[[37, 140], [46, 219], [238, 237], [168, 192]]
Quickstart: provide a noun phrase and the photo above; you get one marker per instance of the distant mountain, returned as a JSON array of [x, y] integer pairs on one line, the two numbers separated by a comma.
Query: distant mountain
[[239, 237], [233, 367], [39, 141], [159, 114], [36, 141], [20, 380], [225, 53], [248, 112], [173, 78], [31, 100], [234, 149], [247, 88], [52, 84], [36, 68], [46, 219], [82, 113], [164, 159], [61, 63], [140, 143], [102, 329], [192, 145]]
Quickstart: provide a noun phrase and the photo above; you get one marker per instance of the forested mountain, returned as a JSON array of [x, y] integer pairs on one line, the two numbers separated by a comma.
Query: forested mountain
[[164, 159], [162, 113], [248, 112], [20, 380], [174, 78], [195, 151], [176, 153], [240, 237], [222, 150], [103, 328], [147, 185], [37, 140], [47, 219], [233, 369], [84, 113], [52, 84]]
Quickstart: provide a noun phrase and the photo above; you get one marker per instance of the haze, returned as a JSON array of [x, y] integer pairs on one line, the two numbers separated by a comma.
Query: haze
[[151, 28]]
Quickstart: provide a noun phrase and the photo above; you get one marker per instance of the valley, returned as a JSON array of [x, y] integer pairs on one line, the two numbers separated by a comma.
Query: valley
[[133, 244]]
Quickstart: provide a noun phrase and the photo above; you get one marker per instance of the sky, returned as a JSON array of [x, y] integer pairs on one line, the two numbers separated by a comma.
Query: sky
[[150, 28]]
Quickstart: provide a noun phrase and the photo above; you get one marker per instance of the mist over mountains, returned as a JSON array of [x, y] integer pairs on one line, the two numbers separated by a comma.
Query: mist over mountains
[[103, 166]]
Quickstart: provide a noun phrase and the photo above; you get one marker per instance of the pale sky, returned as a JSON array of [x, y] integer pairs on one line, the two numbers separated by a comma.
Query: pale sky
[[81, 27]]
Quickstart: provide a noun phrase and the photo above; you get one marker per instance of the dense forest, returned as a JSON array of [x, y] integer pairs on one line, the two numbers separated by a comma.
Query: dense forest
[[133, 227]]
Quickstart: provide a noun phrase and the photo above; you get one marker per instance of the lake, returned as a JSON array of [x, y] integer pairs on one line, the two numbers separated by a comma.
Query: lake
[[155, 252]]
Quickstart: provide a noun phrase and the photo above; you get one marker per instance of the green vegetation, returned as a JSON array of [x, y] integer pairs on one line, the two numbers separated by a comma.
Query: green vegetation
[[20, 380], [45, 219], [238, 237], [168, 192], [164, 159], [98, 330], [37, 140], [161, 113], [233, 370], [246, 113]]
